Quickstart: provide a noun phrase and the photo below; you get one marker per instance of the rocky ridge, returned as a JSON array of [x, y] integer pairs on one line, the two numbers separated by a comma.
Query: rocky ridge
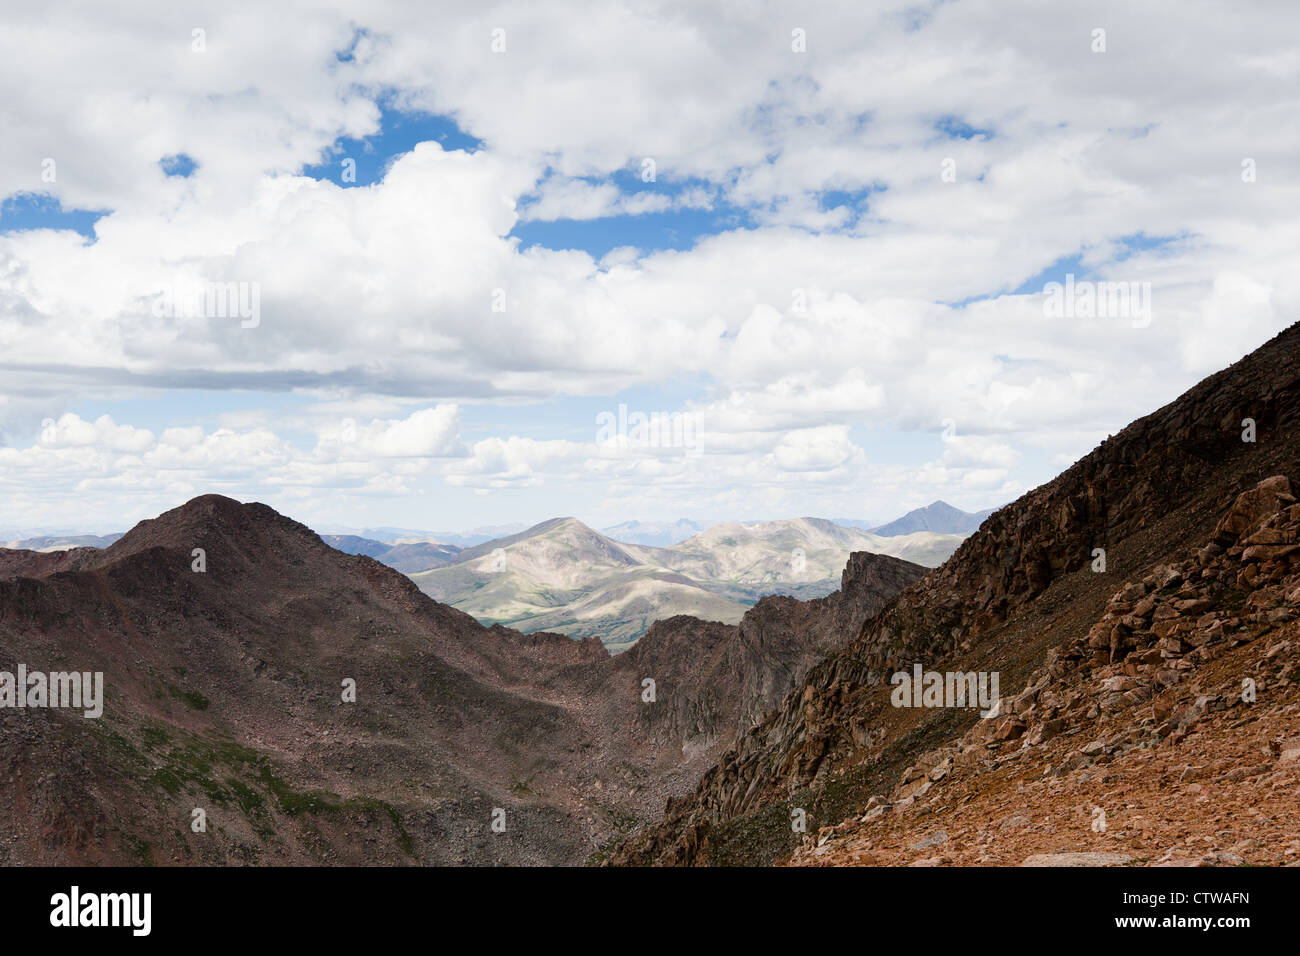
[[1181, 701]]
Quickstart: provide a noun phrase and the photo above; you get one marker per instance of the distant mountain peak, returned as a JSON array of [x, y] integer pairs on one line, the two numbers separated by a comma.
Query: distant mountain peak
[[661, 534], [938, 516], [940, 505]]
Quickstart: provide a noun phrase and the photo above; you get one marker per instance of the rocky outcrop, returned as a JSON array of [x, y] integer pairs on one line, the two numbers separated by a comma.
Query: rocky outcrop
[[780, 638], [715, 681], [18, 563], [1181, 659]]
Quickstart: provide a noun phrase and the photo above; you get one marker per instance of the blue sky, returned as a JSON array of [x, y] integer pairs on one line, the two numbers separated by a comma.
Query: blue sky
[[26, 211]]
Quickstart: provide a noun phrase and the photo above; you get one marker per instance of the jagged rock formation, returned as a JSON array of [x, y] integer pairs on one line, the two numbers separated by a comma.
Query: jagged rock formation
[[224, 693], [1024, 583], [729, 676]]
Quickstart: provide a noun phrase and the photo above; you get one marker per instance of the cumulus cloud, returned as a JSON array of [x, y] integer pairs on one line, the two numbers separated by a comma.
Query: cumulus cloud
[[69, 431], [428, 433], [513, 461], [814, 449], [889, 204]]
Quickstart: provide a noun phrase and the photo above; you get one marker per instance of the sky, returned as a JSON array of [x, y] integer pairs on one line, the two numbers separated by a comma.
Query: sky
[[377, 264]]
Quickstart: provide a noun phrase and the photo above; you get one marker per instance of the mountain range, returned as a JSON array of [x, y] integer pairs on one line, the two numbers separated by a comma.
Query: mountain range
[[1141, 613], [62, 542], [655, 533], [563, 576], [227, 690], [456, 539], [406, 556]]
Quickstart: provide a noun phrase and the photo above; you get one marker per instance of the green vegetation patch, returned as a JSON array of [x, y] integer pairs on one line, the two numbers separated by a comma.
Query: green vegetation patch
[[623, 823], [229, 774]]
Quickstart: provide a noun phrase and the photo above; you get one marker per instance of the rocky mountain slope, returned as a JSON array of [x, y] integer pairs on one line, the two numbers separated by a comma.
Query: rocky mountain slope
[[1017, 599], [225, 691], [1168, 734]]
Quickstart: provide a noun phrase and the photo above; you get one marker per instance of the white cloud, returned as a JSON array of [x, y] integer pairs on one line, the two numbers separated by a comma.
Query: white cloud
[[815, 449], [513, 461], [427, 433], [69, 431], [815, 317]]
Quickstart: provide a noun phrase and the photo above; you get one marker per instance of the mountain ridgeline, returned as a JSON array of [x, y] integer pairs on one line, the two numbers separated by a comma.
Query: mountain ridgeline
[[318, 708], [939, 517], [563, 576]]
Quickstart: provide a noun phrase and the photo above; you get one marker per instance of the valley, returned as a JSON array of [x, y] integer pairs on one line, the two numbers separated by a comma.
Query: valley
[[222, 691]]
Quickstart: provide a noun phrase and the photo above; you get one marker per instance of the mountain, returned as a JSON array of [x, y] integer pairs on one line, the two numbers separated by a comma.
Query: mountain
[[939, 517], [654, 533], [63, 542], [858, 523], [407, 557], [225, 691], [394, 536], [413, 556], [562, 576], [475, 536], [355, 544], [1158, 687], [798, 556]]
